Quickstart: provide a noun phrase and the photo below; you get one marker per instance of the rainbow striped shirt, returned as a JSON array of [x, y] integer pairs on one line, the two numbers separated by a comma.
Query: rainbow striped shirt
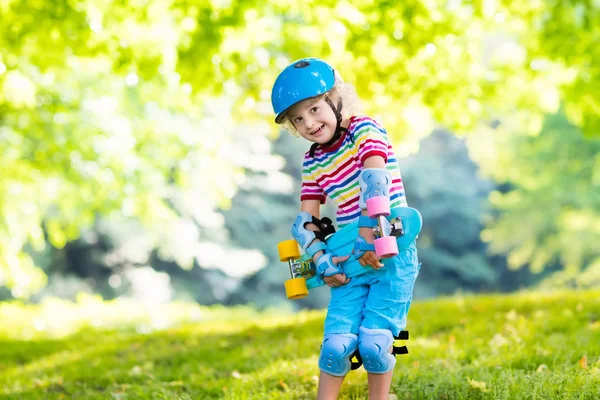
[[333, 171]]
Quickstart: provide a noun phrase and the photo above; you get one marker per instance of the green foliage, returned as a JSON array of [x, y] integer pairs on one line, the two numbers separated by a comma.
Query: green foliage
[[94, 122], [569, 36], [441, 181], [444, 184], [107, 108], [528, 345], [261, 215], [549, 212]]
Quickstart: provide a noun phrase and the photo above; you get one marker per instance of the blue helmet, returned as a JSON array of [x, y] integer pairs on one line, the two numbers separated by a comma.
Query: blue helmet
[[301, 80]]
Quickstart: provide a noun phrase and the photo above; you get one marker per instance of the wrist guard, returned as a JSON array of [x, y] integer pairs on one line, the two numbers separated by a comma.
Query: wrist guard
[[360, 246], [326, 267]]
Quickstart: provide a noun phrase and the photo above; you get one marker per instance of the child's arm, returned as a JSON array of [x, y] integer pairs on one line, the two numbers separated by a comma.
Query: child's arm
[[374, 162], [313, 207], [369, 258]]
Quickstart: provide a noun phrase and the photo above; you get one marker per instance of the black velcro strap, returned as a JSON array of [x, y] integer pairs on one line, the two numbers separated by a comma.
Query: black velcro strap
[[355, 364], [403, 335], [326, 228]]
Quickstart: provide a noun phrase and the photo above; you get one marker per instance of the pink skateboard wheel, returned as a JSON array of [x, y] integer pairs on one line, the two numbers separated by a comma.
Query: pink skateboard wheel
[[377, 206], [386, 247]]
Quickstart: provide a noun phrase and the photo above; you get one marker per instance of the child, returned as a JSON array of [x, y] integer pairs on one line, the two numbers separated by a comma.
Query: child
[[350, 161]]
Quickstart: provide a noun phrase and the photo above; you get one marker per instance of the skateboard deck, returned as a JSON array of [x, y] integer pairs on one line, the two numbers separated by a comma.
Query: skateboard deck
[[342, 243]]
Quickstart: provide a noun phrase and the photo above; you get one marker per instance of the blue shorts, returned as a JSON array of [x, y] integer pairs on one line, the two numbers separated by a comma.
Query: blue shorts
[[379, 299]]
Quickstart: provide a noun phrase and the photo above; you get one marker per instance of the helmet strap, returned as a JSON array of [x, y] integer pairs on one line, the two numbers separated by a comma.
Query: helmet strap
[[339, 129]]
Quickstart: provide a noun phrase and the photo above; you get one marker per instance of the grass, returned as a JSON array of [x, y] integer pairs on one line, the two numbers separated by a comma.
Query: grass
[[522, 346]]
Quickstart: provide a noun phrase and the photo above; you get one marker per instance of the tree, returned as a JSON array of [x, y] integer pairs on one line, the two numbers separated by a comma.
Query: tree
[[549, 210], [96, 122], [446, 186], [105, 106], [261, 216]]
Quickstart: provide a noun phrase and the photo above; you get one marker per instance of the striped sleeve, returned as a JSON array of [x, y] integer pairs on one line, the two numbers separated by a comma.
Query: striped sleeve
[[371, 140], [310, 188]]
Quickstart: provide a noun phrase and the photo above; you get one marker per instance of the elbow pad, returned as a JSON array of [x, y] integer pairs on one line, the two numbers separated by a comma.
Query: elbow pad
[[306, 237], [373, 182], [303, 236]]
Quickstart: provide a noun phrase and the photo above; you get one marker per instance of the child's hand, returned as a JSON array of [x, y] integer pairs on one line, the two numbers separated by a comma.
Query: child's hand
[[338, 279], [370, 259]]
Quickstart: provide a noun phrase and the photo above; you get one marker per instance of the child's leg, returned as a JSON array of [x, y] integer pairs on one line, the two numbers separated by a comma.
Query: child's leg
[[379, 385], [344, 315], [390, 295], [329, 386], [385, 315], [375, 346]]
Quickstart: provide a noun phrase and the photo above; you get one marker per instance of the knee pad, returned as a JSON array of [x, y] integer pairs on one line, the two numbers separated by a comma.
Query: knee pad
[[374, 346], [336, 352], [373, 182]]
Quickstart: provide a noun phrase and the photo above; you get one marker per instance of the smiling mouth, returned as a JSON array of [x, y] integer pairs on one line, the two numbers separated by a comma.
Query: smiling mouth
[[319, 130]]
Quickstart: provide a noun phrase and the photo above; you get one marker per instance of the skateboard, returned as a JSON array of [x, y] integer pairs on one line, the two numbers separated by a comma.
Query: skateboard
[[396, 229]]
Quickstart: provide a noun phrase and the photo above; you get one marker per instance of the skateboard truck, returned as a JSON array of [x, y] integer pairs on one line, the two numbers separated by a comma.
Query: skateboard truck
[[295, 288], [395, 227], [300, 269]]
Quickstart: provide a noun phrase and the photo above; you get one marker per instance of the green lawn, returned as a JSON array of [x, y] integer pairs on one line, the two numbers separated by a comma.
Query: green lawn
[[525, 346]]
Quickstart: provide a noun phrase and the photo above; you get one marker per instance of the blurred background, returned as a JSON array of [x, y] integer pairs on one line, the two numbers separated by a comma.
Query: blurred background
[[139, 159]]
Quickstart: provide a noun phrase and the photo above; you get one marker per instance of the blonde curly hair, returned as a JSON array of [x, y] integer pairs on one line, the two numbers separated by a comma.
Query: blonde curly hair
[[351, 104]]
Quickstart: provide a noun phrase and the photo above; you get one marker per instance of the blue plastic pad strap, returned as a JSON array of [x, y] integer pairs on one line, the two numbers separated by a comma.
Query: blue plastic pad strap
[[366, 222], [361, 245], [315, 248], [374, 346], [303, 236], [336, 352], [326, 267], [373, 182]]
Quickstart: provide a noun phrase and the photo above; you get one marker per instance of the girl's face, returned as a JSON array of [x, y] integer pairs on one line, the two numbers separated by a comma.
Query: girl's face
[[314, 120]]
